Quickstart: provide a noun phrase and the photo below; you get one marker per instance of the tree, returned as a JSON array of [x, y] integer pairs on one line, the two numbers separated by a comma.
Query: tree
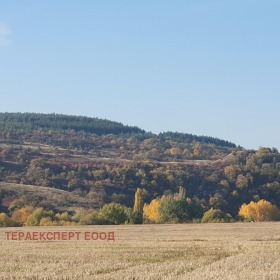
[[173, 210], [46, 221], [119, 198], [217, 201], [231, 172], [260, 211], [87, 217], [215, 216], [138, 202], [195, 210], [114, 213], [167, 209], [241, 182], [182, 192], [135, 217], [151, 211], [20, 216], [39, 213], [5, 221]]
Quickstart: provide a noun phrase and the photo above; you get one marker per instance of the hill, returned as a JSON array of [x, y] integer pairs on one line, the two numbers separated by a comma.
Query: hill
[[59, 122], [58, 152], [38, 196], [35, 121]]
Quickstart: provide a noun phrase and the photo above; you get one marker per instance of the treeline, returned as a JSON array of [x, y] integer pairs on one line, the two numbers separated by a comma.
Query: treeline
[[34, 121], [189, 138], [14, 122], [166, 209], [225, 184]]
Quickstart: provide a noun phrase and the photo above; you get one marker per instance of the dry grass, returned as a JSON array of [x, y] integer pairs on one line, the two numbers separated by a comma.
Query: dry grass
[[190, 251], [59, 199]]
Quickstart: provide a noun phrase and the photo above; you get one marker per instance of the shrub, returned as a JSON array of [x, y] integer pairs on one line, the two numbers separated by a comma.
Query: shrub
[[114, 213], [215, 216], [39, 213], [6, 221]]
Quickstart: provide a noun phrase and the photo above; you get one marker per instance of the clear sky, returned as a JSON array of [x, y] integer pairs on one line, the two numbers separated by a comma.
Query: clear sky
[[207, 67]]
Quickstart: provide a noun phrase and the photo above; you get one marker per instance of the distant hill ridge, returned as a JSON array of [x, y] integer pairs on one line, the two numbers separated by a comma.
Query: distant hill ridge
[[35, 121]]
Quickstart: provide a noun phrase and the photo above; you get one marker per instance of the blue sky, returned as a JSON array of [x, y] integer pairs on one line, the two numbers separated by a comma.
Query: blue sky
[[202, 67]]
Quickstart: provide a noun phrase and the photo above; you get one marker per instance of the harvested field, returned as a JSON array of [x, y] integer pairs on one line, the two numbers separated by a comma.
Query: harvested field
[[186, 251]]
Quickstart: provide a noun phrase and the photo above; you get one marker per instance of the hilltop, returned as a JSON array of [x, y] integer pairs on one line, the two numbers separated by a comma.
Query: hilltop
[[58, 122]]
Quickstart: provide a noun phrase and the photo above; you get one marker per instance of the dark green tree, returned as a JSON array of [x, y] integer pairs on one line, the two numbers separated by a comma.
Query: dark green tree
[[173, 210]]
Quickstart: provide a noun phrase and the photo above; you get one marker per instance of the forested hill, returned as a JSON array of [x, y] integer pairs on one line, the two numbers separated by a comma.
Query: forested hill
[[33, 121], [59, 122], [93, 162]]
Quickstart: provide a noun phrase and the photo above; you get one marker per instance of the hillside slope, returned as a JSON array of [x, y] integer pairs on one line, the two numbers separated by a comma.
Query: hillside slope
[[38, 196], [103, 168]]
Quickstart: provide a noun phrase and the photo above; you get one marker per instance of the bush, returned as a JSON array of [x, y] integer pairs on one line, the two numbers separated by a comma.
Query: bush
[[87, 217], [47, 221], [114, 213], [135, 217], [6, 221], [35, 218], [215, 216]]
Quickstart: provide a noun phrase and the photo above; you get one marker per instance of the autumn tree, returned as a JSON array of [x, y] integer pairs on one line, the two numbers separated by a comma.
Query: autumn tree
[[20, 215], [241, 182], [138, 201], [167, 209], [35, 218], [6, 221], [215, 216], [151, 211], [62, 219], [231, 172], [260, 211]]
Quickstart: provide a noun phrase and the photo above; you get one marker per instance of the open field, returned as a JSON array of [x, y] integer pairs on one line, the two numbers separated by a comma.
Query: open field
[[186, 251]]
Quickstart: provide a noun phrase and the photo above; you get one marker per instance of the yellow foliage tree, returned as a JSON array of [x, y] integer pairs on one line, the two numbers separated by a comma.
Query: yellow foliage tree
[[260, 211], [20, 216], [5, 221], [47, 221], [151, 211]]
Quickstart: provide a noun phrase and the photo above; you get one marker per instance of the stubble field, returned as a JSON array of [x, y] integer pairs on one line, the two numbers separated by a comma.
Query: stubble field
[[186, 251]]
